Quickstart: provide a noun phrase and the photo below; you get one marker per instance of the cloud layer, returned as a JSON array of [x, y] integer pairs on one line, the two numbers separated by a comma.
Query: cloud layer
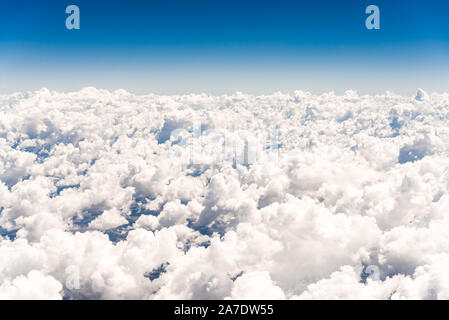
[[108, 195]]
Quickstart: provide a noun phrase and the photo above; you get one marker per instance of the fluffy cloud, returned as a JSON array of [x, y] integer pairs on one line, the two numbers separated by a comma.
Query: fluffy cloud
[[256, 285], [33, 286], [108, 220], [282, 196]]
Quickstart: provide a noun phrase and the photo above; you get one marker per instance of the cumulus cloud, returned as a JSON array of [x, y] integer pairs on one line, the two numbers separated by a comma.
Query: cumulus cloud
[[108, 220], [256, 285], [33, 286], [282, 196]]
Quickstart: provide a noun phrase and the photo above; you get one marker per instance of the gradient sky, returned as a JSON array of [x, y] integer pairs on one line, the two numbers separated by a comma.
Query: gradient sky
[[223, 46]]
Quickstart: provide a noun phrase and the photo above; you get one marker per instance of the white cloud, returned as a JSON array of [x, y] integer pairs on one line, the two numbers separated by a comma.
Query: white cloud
[[108, 220], [92, 179], [33, 286], [256, 285]]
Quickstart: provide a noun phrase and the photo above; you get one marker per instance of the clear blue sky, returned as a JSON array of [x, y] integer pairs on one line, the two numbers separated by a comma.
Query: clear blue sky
[[223, 46]]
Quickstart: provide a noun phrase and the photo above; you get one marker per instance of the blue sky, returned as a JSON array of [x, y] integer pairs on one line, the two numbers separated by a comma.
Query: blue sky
[[223, 46]]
